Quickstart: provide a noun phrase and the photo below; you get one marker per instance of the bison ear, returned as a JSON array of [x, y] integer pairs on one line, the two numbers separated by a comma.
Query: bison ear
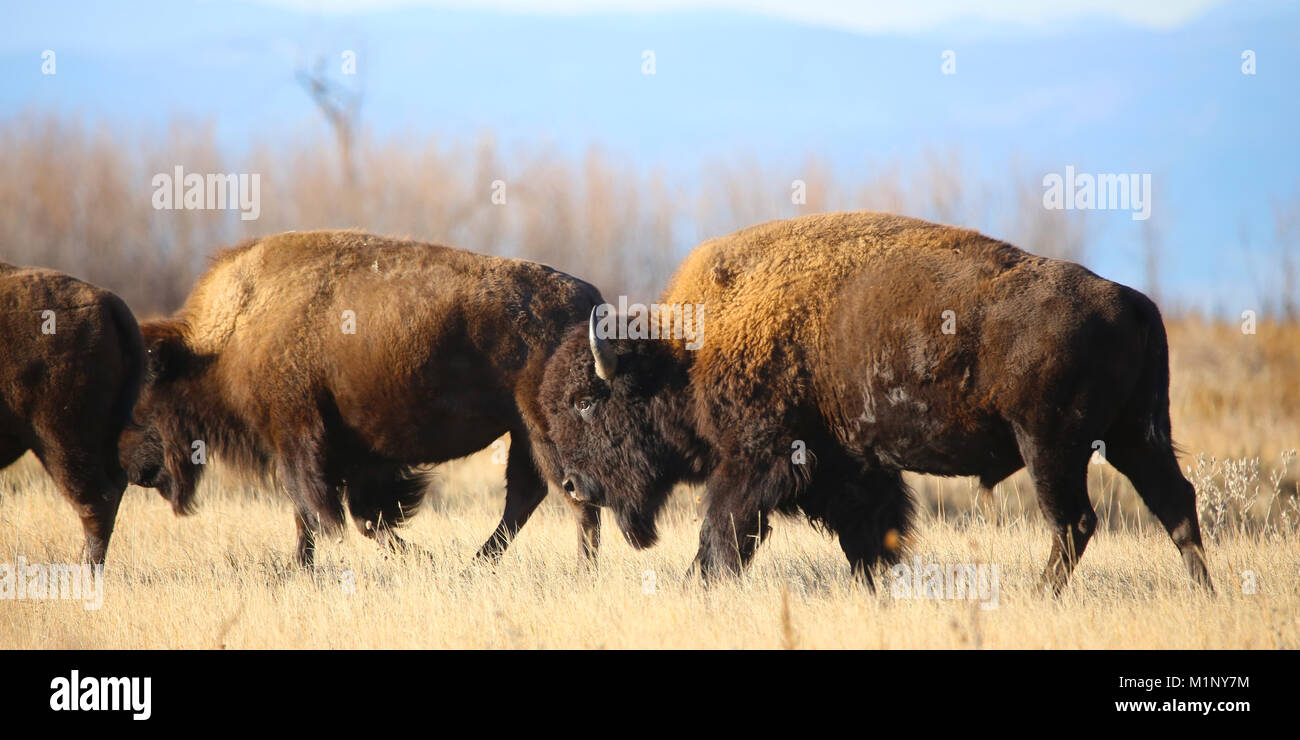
[[165, 347], [601, 350]]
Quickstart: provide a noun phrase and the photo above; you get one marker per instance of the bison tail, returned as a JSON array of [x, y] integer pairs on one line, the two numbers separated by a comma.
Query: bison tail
[[133, 365], [1150, 400]]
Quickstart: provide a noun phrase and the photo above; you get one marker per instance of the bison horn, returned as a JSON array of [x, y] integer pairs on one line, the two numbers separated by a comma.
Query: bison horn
[[602, 351]]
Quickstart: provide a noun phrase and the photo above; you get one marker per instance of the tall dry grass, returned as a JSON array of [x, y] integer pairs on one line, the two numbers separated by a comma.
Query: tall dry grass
[[225, 579]]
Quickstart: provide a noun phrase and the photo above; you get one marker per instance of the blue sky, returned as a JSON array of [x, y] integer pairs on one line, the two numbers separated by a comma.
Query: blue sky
[[1103, 86], [868, 16]]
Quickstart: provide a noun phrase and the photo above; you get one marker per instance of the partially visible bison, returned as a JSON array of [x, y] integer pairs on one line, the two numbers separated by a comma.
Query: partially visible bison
[[337, 361], [838, 350], [71, 363]]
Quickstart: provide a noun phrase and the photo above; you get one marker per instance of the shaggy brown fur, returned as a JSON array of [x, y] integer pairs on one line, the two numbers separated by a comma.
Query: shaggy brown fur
[[447, 354], [67, 394], [828, 333]]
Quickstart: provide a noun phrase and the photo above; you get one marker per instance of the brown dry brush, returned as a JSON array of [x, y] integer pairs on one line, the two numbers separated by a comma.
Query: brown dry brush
[[77, 196]]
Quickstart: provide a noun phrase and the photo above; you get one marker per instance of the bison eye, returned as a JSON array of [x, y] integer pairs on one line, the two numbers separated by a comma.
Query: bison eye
[[583, 405]]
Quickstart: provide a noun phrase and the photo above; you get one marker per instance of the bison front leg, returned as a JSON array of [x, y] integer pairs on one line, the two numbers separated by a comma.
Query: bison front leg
[[736, 523], [305, 552], [318, 508], [525, 489], [588, 518], [728, 540]]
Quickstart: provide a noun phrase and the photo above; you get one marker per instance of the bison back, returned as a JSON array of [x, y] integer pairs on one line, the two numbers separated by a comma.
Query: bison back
[[916, 345], [421, 352], [72, 366]]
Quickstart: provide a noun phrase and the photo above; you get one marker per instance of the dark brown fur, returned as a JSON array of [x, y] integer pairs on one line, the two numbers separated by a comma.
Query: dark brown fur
[[447, 354], [828, 331], [67, 395]]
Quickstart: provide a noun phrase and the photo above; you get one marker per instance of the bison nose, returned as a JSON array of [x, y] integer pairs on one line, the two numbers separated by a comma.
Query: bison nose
[[572, 489]]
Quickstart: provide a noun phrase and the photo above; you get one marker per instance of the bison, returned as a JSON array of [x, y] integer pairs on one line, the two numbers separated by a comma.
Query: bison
[[838, 350], [71, 366], [339, 361]]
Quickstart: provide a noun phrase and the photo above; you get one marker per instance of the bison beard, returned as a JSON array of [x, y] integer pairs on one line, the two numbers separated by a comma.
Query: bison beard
[[338, 362], [68, 394], [875, 344], [638, 525]]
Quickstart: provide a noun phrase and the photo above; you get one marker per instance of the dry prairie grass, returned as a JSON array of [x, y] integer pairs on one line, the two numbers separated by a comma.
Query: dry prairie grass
[[225, 578]]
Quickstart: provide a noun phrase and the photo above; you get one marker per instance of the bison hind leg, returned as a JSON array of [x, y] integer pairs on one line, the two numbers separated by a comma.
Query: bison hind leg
[[1153, 470], [1059, 471], [96, 493], [870, 510]]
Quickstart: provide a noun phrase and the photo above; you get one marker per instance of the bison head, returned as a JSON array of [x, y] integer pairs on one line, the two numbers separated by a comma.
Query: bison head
[[156, 448], [614, 410]]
